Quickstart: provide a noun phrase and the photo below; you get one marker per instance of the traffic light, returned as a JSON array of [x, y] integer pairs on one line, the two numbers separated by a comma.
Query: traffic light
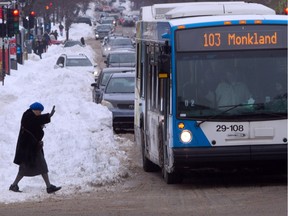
[[32, 15], [25, 22], [286, 11], [12, 22], [50, 5]]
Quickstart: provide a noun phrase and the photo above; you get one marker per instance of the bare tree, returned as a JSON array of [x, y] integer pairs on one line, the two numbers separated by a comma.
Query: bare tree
[[57, 10]]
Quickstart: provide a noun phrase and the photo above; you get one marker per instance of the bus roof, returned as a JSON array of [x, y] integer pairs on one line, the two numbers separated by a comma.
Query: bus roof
[[235, 18], [159, 12]]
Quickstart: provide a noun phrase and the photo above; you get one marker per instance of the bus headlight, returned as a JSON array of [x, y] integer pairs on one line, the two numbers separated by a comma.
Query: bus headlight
[[186, 136]]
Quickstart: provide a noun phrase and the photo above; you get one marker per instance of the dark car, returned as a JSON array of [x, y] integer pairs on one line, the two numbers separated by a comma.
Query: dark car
[[108, 20], [103, 30], [128, 21], [117, 43], [121, 58], [102, 80], [119, 97], [86, 20]]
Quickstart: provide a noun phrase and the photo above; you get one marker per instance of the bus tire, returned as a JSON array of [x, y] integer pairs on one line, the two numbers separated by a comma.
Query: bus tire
[[148, 166], [169, 178]]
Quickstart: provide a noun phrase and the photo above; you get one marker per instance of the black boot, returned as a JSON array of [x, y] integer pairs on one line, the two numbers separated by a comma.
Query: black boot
[[14, 188], [52, 189]]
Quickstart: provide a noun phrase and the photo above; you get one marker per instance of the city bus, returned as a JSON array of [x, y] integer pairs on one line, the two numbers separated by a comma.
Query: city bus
[[211, 87]]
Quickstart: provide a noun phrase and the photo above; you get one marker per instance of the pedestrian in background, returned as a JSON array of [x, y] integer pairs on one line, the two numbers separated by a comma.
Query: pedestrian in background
[[39, 47], [82, 41], [46, 41], [61, 28], [29, 151], [55, 34]]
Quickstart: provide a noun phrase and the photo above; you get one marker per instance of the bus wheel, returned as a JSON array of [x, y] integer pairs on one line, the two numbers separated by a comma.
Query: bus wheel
[[148, 166], [169, 178]]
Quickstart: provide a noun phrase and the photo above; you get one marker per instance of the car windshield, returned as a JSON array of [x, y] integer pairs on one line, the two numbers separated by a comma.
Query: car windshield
[[121, 85], [121, 42], [107, 21], [103, 27], [122, 57], [78, 62]]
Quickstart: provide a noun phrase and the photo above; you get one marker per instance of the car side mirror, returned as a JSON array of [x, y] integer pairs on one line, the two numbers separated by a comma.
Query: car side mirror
[[95, 85]]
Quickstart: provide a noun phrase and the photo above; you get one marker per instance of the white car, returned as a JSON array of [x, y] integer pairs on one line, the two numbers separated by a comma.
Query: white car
[[76, 62]]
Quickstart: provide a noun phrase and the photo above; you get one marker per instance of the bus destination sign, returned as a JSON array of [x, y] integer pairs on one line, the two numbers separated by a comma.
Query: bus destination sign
[[232, 38]]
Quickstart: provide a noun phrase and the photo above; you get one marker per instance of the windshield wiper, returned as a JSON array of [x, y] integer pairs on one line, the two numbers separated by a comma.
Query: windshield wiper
[[276, 114], [221, 113]]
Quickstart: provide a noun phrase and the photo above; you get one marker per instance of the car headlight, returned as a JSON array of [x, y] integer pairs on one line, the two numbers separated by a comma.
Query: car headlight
[[97, 35], [107, 104], [96, 73], [186, 136]]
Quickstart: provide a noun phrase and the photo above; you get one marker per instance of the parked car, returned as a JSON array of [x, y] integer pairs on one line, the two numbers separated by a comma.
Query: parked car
[[78, 62], [121, 58], [70, 43], [54, 41], [103, 78], [117, 43], [118, 97], [103, 30]]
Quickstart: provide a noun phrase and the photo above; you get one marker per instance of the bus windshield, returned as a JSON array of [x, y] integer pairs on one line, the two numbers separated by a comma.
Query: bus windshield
[[224, 85]]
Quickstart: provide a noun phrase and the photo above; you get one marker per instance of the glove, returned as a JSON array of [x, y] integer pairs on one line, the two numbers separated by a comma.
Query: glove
[[52, 111]]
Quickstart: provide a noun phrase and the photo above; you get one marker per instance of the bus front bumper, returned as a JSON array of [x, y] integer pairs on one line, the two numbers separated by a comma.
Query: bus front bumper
[[229, 156]]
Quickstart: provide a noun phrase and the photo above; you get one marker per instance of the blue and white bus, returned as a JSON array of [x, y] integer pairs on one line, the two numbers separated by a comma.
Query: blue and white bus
[[211, 86]]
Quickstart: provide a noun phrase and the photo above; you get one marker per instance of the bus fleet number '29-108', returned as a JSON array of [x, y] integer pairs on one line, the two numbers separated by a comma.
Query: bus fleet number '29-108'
[[231, 128]]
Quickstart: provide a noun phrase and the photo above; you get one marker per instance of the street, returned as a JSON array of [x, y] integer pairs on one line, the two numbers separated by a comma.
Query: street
[[140, 193]]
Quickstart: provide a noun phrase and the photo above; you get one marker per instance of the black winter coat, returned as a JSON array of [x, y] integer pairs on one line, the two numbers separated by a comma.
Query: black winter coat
[[31, 133]]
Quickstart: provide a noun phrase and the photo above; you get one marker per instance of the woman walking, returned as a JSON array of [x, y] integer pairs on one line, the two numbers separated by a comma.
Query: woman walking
[[29, 151]]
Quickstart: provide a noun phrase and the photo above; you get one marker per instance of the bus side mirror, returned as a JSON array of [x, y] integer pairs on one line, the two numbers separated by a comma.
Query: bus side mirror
[[164, 66]]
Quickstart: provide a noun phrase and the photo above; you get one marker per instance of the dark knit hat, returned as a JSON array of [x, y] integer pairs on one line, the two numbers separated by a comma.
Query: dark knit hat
[[37, 106]]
